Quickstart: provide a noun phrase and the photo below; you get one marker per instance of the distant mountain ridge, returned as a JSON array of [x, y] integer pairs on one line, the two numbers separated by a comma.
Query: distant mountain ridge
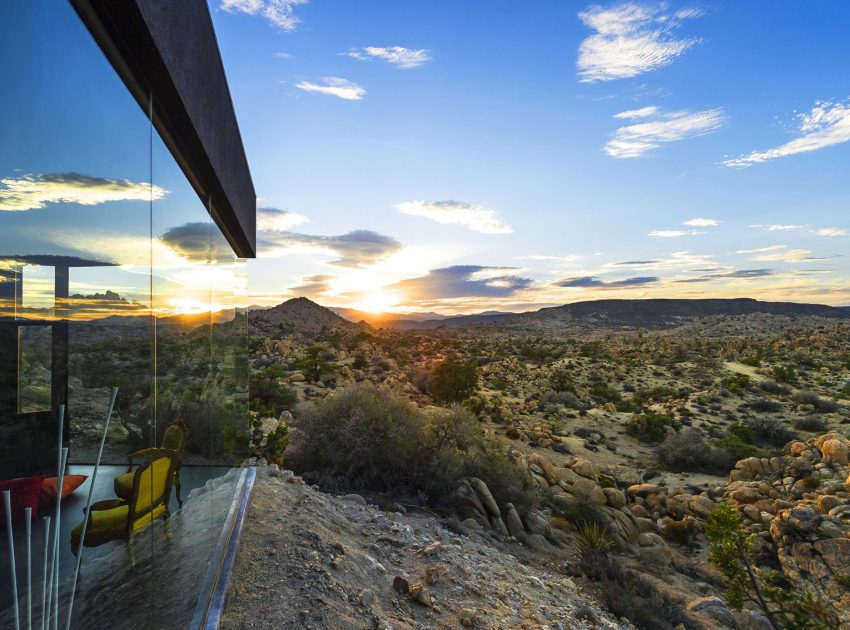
[[668, 312]]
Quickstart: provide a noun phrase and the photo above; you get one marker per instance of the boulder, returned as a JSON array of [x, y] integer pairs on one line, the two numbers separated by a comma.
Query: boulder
[[714, 609], [583, 468], [835, 451], [513, 522]]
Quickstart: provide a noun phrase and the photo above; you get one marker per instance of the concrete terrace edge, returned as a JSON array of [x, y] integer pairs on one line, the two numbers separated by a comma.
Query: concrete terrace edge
[[213, 597]]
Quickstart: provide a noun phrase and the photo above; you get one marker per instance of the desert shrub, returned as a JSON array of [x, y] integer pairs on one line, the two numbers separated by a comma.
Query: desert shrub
[[812, 424], [738, 449], [769, 431], [628, 594], [561, 381], [681, 532], [650, 427], [268, 396], [752, 361], [421, 380], [453, 380], [602, 393], [568, 399], [772, 387], [380, 442], [688, 451], [821, 405], [765, 405], [736, 383], [784, 373], [654, 394]]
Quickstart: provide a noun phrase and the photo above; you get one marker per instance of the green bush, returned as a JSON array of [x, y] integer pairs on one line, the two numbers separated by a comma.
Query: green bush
[[602, 393], [561, 381], [688, 451], [453, 380], [651, 427], [739, 449], [380, 442], [737, 383]]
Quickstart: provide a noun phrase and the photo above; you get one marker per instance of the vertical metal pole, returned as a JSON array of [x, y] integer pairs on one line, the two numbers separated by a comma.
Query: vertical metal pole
[[88, 506], [28, 596], [7, 504], [45, 546], [54, 616], [56, 515]]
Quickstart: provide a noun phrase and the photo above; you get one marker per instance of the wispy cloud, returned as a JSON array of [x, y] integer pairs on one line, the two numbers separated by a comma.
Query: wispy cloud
[[30, 192], [701, 222], [830, 232], [359, 248], [827, 124], [827, 232], [674, 233], [629, 40], [758, 250], [280, 13], [278, 220], [643, 112], [789, 256], [334, 86], [283, 55], [463, 281], [197, 242], [739, 274], [592, 282], [635, 140], [475, 217], [397, 55]]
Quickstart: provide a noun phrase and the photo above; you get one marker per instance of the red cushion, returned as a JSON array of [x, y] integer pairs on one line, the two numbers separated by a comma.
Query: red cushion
[[24, 493], [49, 486]]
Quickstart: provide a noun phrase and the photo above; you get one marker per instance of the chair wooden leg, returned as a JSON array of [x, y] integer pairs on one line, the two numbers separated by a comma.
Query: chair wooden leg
[[131, 549], [177, 489]]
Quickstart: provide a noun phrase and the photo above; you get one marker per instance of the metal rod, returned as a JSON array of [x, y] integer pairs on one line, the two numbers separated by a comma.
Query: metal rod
[[54, 615], [7, 504], [28, 596], [81, 544], [45, 546], [53, 549]]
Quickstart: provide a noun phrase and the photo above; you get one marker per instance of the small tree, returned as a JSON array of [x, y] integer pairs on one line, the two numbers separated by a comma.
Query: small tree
[[315, 363], [453, 380], [729, 547]]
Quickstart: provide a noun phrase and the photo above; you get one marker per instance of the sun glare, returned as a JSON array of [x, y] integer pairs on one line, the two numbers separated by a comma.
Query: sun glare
[[376, 303]]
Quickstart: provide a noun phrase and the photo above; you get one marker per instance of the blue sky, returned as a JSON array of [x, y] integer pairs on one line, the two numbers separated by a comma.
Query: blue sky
[[516, 157], [459, 156]]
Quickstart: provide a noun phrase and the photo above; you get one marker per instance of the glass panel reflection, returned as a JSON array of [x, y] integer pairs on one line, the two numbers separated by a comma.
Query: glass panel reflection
[[35, 375]]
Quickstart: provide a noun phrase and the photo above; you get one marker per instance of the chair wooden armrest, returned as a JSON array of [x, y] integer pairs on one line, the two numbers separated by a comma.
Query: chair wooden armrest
[[108, 504]]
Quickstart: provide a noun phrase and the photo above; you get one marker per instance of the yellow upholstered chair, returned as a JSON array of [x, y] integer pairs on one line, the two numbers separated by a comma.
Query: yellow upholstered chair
[[122, 519], [174, 439]]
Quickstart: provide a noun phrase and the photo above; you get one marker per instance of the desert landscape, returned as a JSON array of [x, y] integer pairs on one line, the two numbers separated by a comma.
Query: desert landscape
[[598, 445]]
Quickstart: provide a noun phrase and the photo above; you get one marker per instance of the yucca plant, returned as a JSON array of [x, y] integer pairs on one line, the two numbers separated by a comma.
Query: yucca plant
[[591, 537]]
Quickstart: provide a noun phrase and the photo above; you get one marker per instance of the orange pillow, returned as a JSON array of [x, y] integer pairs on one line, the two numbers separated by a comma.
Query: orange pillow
[[50, 485]]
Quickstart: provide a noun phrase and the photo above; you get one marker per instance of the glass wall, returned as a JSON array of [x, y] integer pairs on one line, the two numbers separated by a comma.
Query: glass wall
[[112, 275]]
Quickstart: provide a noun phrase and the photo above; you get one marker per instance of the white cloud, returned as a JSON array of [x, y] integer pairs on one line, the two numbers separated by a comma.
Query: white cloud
[[636, 139], [779, 227], [283, 55], [29, 192], [771, 248], [643, 112], [630, 39], [334, 86], [701, 222], [475, 217], [280, 13], [831, 231], [674, 233], [278, 220], [790, 256], [827, 124], [396, 55]]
